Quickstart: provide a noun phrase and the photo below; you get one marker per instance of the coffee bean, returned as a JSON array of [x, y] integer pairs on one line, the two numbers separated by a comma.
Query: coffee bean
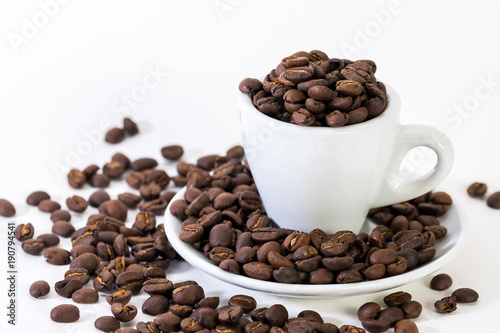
[[147, 327], [76, 178], [67, 287], [115, 209], [36, 197], [247, 303], [446, 304], [39, 289], [98, 197], [155, 305], [113, 169], [24, 231], [85, 296], [405, 326], [188, 294], [63, 229], [129, 281], [57, 256], [493, 200], [392, 315], [172, 152], [123, 313], [89, 261], [114, 135], [48, 240], [250, 86], [121, 296], [411, 309], [103, 281], [100, 180], [150, 191], [168, 322], [107, 323], [60, 215], [465, 295], [65, 313], [477, 189], [376, 325], [441, 282], [369, 310], [121, 158], [77, 204], [130, 127], [397, 298], [143, 163], [32, 246], [276, 315], [336, 119], [48, 206], [303, 117]]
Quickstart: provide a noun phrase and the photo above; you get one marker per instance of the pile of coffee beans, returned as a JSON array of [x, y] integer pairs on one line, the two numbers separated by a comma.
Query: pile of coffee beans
[[398, 314], [223, 216], [448, 304], [478, 190], [311, 89], [116, 135]]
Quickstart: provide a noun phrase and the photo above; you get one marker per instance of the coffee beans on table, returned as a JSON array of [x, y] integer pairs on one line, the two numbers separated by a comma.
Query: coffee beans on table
[[311, 89], [465, 295], [114, 135], [477, 189], [39, 289], [65, 313], [441, 282]]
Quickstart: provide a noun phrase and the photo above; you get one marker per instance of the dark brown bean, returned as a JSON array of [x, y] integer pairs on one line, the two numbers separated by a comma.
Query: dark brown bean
[[85, 296], [39, 289], [48, 206], [130, 126], [32, 246], [441, 282], [123, 313], [172, 152], [76, 178], [107, 323], [114, 135], [477, 189], [65, 313], [36, 197], [465, 295]]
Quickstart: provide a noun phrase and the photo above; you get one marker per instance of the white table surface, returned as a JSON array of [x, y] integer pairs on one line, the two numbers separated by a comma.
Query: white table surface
[[71, 73]]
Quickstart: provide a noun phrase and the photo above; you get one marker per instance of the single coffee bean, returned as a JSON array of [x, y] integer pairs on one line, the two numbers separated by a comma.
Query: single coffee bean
[[188, 294], [63, 229], [100, 180], [250, 86], [24, 231], [477, 189], [57, 256], [276, 315], [392, 315], [67, 287], [150, 191], [376, 325], [493, 200], [39, 289], [258, 270], [103, 281], [77, 204], [129, 281], [303, 117], [349, 88], [121, 158], [405, 326], [113, 169], [80, 274], [60, 215], [168, 322], [247, 303], [441, 282], [129, 199], [48, 206], [130, 126], [155, 305], [49, 239], [446, 304], [85, 296], [76, 178], [397, 298], [336, 119], [465, 295], [121, 296], [32, 246], [65, 313], [160, 286], [411, 309], [229, 315], [147, 327], [172, 152], [107, 323], [143, 163], [114, 135], [36, 197], [115, 209], [123, 313], [89, 261], [369, 310], [98, 197]]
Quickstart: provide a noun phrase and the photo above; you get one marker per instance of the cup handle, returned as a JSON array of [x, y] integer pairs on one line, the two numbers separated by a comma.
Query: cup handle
[[396, 188]]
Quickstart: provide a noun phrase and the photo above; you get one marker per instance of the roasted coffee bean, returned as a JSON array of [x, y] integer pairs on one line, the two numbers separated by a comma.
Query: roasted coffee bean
[[85, 296], [383, 256], [67, 287], [374, 272], [172, 152], [187, 294], [98, 197], [258, 270], [411, 309], [77, 204], [99, 180], [24, 231], [446, 304], [76, 178], [477, 189], [130, 127], [405, 326], [121, 296], [65, 313], [103, 281], [90, 170], [123, 313], [80, 274], [57, 256], [349, 88], [155, 305], [114, 135], [303, 117], [220, 235], [441, 282], [147, 327], [182, 311], [276, 315], [113, 169], [336, 119], [135, 179], [36, 197], [63, 229], [493, 200], [145, 221], [60, 215], [465, 295], [121, 158], [392, 315], [369, 310], [143, 164], [32, 246], [250, 86], [47, 205], [107, 323], [160, 286], [39, 289], [229, 315], [168, 322], [129, 281], [349, 276], [247, 303], [397, 298], [115, 209], [89, 261], [150, 191], [376, 325]]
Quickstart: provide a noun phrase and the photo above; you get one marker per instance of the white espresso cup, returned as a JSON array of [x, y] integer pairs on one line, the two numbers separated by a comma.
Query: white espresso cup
[[329, 178]]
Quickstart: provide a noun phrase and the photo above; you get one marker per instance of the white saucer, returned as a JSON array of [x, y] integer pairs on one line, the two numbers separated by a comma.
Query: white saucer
[[447, 248]]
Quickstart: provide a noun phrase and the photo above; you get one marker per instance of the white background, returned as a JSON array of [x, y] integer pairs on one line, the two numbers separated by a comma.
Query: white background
[[65, 75]]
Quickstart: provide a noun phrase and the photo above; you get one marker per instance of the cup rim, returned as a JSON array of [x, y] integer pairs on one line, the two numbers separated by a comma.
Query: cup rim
[[392, 110]]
